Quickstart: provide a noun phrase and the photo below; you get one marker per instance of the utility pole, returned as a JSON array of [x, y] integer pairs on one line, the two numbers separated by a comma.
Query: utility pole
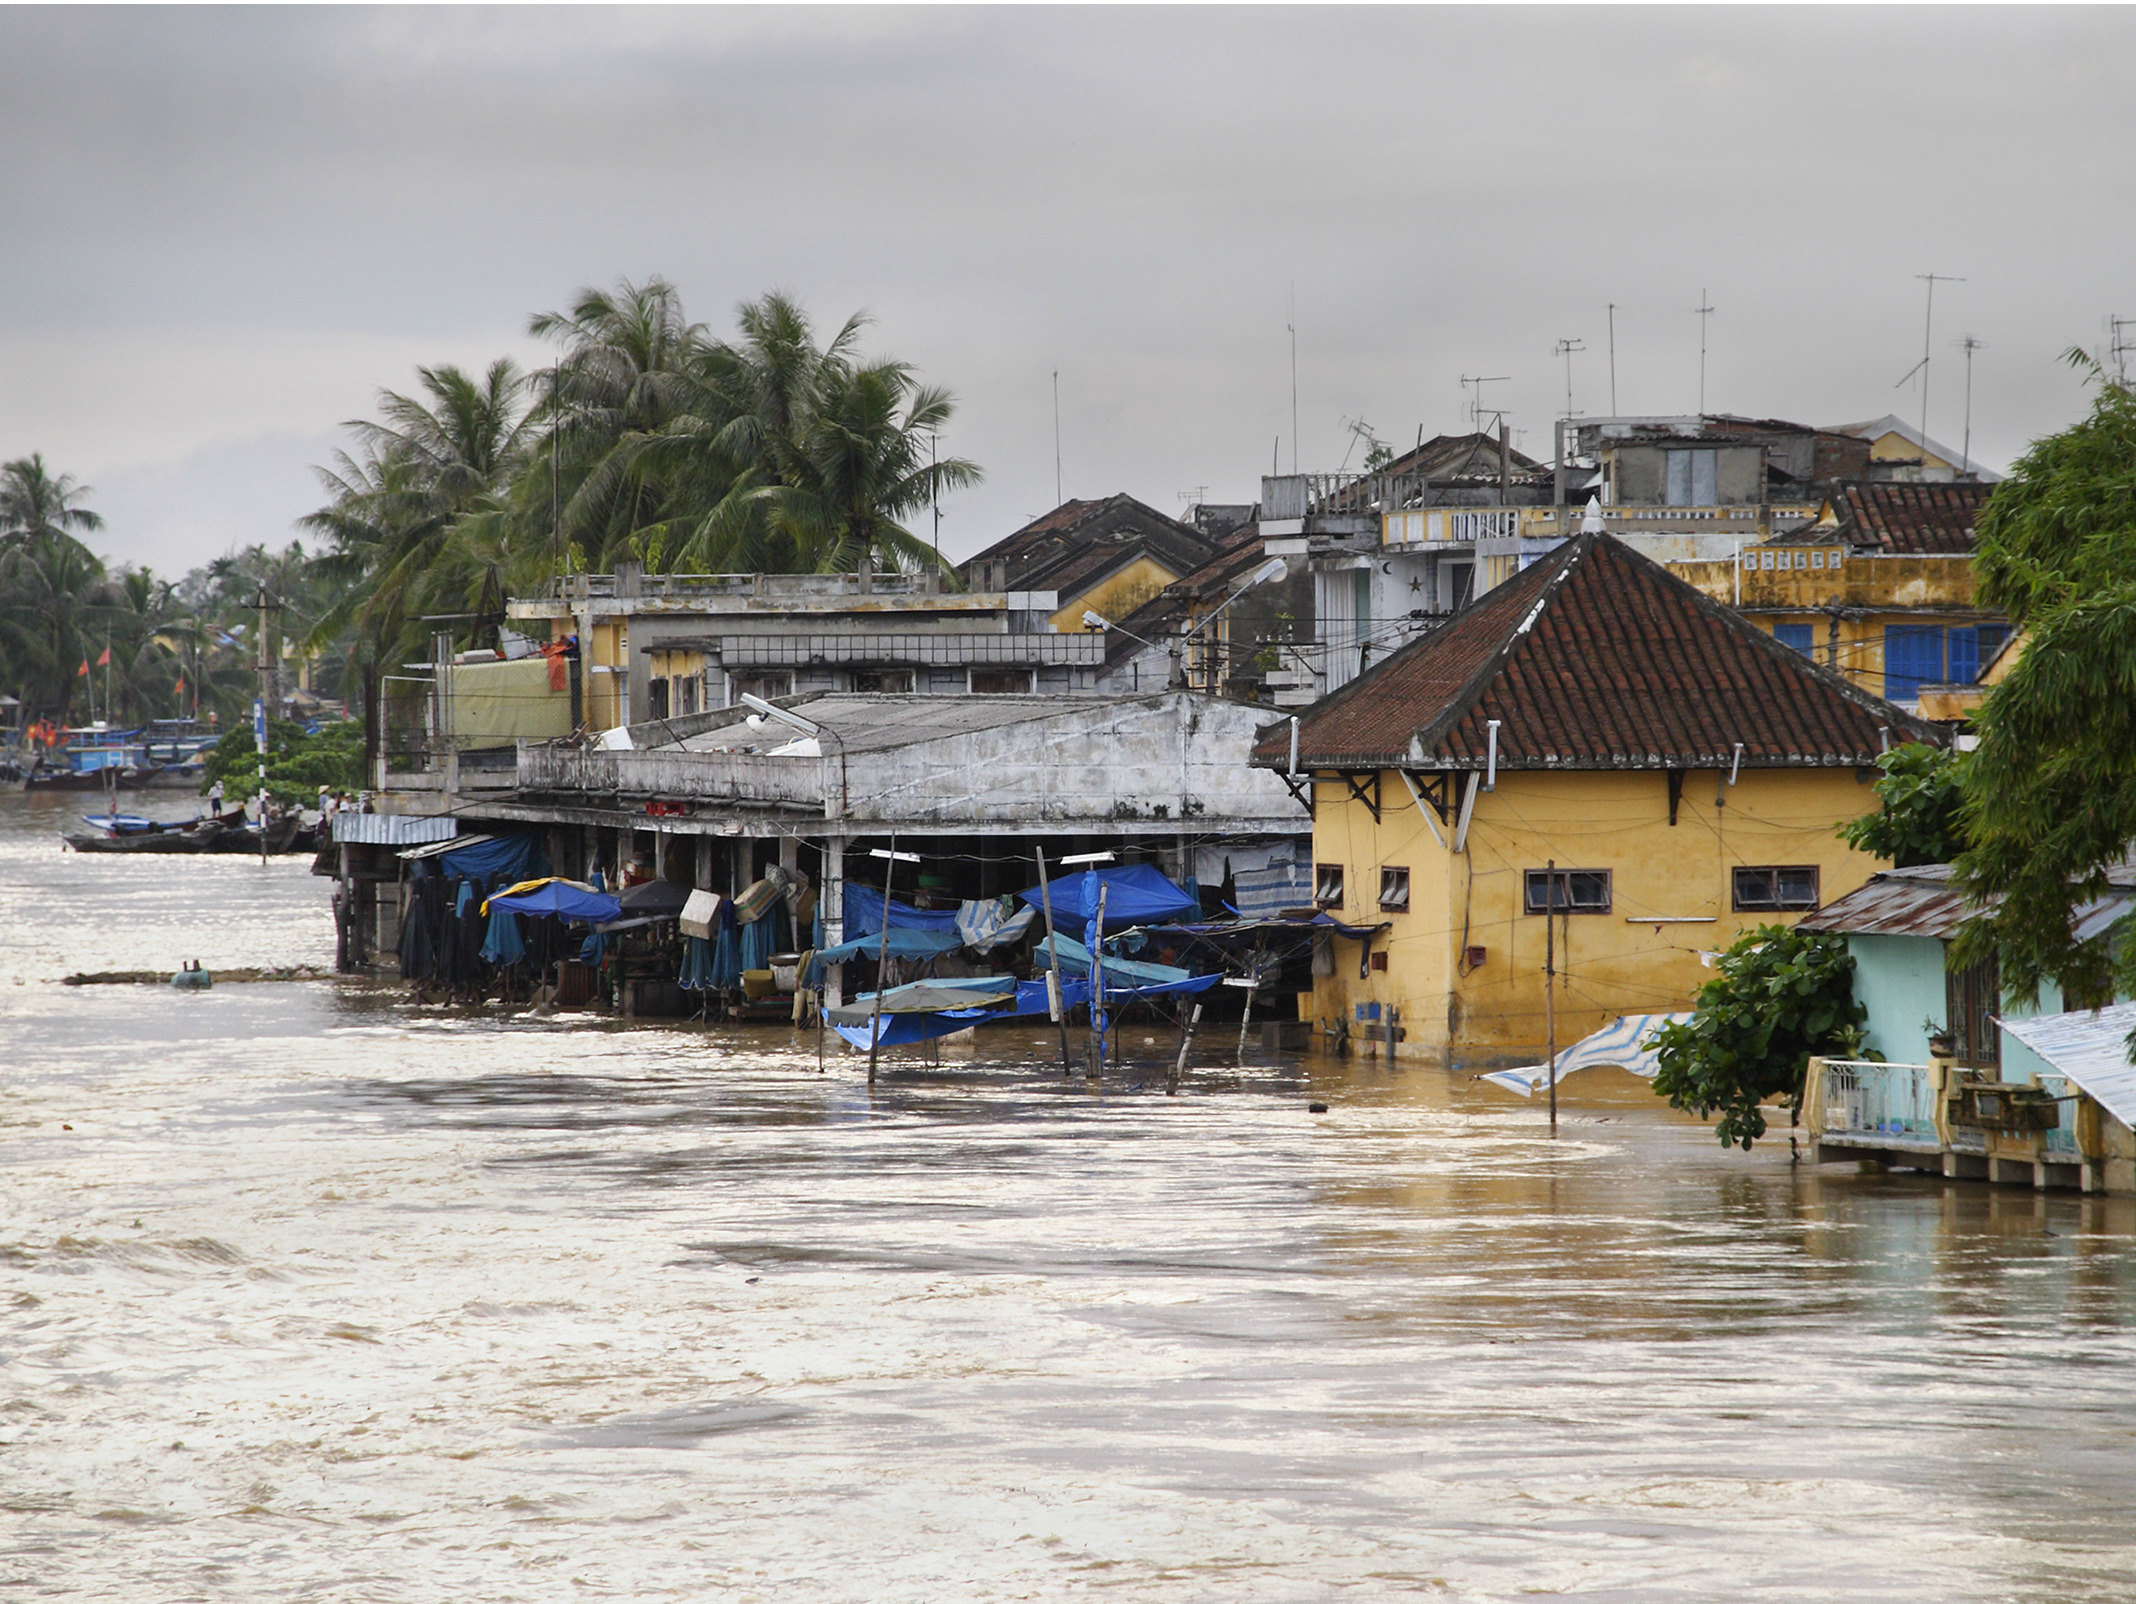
[[1056, 437], [1705, 311], [1550, 981], [1613, 357]]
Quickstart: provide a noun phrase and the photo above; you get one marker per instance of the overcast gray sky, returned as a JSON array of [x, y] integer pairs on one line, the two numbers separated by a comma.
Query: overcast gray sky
[[226, 229]]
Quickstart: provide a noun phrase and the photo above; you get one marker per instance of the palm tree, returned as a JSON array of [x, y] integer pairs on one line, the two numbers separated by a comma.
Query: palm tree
[[35, 506], [52, 613]]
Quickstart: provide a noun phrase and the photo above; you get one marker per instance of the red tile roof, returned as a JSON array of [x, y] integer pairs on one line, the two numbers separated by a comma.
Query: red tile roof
[[1912, 520], [1594, 658]]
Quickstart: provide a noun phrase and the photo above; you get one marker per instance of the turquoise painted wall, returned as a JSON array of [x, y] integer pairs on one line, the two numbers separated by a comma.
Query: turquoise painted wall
[[1899, 979]]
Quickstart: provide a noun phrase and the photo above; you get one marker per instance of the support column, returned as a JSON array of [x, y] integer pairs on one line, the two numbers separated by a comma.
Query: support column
[[832, 902]]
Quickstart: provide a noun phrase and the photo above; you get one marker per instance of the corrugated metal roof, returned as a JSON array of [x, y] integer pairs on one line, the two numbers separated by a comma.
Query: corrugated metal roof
[[1898, 902], [393, 829], [2091, 1049], [1924, 902], [870, 723]]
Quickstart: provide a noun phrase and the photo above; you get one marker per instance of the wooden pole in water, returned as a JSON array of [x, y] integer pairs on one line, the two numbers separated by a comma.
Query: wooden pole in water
[[1186, 1041], [882, 965], [1053, 946], [1550, 985], [1253, 983]]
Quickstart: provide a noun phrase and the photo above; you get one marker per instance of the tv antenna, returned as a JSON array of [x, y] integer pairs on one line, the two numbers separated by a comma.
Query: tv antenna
[[1705, 310], [1358, 429], [1474, 383], [1967, 344], [1613, 357], [1195, 495], [1056, 437], [1928, 325], [2118, 345], [1567, 349]]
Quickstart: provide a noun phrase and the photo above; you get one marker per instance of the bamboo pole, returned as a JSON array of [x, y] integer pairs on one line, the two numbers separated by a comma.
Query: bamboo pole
[[1098, 1018]]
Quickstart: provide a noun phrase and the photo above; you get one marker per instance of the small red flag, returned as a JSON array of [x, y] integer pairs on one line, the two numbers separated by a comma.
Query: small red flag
[[83, 671], [180, 687], [105, 660]]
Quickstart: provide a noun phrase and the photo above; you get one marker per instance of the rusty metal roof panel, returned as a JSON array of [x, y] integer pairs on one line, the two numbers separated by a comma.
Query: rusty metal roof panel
[[1903, 902]]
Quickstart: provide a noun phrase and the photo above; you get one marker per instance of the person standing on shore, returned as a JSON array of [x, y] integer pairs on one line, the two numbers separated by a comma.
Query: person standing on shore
[[215, 800]]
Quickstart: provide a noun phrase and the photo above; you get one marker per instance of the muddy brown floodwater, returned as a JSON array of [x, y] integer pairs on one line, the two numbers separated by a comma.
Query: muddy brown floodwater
[[327, 1297]]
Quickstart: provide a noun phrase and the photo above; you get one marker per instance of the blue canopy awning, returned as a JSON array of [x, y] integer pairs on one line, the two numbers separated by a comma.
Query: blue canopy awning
[[1135, 893], [563, 899], [864, 912]]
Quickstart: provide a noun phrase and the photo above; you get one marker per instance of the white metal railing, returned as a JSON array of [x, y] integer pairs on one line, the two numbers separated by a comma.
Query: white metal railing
[[2061, 1142], [1893, 1103]]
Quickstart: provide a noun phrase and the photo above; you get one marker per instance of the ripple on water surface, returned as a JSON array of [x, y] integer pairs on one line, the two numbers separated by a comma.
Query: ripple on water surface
[[325, 1296]]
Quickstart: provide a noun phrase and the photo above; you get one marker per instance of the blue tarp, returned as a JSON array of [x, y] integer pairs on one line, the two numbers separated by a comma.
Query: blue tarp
[[903, 944], [563, 899], [502, 860], [1075, 960], [901, 1029], [1135, 893], [864, 912]]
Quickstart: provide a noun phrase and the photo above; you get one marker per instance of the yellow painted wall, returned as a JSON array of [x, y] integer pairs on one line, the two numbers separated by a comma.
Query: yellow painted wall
[[1115, 596], [1609, 963], [1891, 446], [604, 691]]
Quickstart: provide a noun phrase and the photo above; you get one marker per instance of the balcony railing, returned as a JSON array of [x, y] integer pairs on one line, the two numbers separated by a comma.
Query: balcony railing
[[1889, 1105]]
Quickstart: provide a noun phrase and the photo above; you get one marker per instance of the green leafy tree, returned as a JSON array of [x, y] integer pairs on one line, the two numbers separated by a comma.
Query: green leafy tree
[[297, 763], [2050, 792], [1780, 997], [1922, 793]]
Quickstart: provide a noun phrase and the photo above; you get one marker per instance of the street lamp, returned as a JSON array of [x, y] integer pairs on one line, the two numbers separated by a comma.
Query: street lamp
[[806, 726]]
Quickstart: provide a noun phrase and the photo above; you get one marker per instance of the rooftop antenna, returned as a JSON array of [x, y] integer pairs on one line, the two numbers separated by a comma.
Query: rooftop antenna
[[1359, 430], [1705, 311], [2118, 345], [934, 483], [1292, 326], [1567, 349], [1928, 324], [1613, 357], [1474, 383], [1968, 345], [1057, 437]]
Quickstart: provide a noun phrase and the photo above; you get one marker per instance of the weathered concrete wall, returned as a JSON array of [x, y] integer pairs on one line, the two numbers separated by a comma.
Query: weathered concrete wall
[[1153, 763], [1156, 761]]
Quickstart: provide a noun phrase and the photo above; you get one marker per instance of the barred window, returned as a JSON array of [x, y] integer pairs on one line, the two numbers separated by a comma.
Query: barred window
[[1575, 890], [1775, 890]]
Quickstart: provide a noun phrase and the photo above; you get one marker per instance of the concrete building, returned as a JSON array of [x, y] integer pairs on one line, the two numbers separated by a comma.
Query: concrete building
[[1593, 725], [1878, 586], [661, 645], [971, 784]]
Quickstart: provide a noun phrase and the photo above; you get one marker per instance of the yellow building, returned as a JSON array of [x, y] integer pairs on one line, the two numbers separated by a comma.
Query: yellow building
[[1879, 586], [1593, 725]]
